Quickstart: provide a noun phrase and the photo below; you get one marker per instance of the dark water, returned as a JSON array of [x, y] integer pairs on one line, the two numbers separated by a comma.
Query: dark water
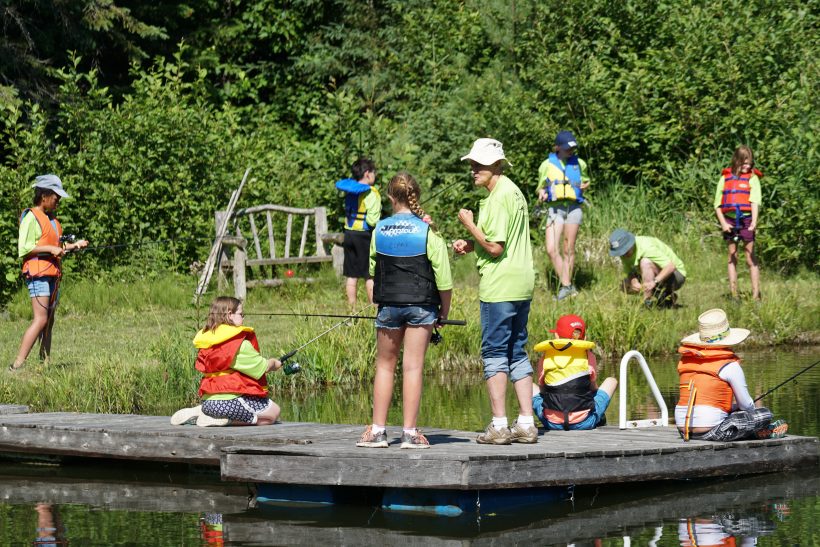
[[123, 504]]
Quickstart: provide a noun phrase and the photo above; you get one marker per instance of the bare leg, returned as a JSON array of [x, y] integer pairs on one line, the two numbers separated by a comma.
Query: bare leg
[[523, 393], [368, 285], [45, 336], [350, 288], [388, 344], [754, 269], [553, 237], [269, 415], [648, 272], [416, 340], [39, 306], [733, 268], [497, 389], [570, 236]]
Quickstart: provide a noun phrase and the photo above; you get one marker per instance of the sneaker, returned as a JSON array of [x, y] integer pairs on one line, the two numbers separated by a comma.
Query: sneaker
[[564, 292], [186, 416], [527, 434], [775, 430], [414, 441], [495, 436], [204, 420], [573, 291], [371, 440]]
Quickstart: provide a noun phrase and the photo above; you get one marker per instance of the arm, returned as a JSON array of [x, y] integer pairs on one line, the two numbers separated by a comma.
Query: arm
[[446, 297], [248, 361], [493, 248], [733, 374], [755, 209], [722, 220], [584, 178], [463, 246]]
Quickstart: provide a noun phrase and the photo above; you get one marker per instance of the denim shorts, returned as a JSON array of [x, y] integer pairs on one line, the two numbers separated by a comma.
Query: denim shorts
[[590, 422], [396, 317], [504, 339], [568, 212], [41, 286], [242, 409]]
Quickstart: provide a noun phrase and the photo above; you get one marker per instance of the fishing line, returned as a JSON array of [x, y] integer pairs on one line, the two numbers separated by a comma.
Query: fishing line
[[456, 322], [789, 379]]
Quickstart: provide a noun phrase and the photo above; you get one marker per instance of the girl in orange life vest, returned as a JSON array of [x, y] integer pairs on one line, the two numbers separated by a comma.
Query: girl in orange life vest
[[413, 287], [234, 389], [566, 395], [737, 203], [41, 249], [710, 379]]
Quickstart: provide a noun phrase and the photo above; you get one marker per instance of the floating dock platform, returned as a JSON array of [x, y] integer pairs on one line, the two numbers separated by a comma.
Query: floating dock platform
[[322, 461]]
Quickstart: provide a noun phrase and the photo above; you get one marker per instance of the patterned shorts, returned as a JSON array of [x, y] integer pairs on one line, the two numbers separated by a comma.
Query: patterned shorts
[[242, 409], [739, 425]]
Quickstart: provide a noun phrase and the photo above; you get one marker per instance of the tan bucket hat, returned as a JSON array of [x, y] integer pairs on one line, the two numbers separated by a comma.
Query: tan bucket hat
[[714, 330]]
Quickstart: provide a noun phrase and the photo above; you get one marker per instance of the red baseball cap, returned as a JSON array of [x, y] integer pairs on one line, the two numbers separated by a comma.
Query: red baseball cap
[[566, 325]]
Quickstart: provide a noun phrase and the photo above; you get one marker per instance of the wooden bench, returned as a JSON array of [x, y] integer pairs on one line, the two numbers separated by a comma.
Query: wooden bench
[[262, 223]]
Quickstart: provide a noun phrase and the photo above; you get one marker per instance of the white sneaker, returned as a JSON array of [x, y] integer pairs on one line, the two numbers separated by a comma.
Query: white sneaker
[[206, 421], [186, 416]]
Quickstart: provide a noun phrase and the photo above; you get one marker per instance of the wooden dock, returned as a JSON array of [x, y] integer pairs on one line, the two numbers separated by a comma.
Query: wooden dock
[[325, 455]]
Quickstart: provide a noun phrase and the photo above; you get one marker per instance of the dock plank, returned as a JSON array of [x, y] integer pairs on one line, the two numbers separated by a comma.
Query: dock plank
[[325, 454]]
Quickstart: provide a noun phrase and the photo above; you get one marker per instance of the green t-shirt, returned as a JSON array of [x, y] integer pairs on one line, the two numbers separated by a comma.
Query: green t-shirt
[[28, 235], [754, 194], [373, 206], [655, 250], [249, 362], [542, 173], [437, 254], [504, 218]]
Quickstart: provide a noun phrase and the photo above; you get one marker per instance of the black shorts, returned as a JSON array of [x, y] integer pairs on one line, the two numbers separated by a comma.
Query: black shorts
[[357, 254]]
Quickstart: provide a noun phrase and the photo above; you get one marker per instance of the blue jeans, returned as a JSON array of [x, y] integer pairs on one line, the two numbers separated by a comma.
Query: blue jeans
[[504, 339], [590, 422]]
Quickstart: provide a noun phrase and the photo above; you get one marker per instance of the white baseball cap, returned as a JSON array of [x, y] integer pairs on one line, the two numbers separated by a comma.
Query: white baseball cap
[[486, 152]]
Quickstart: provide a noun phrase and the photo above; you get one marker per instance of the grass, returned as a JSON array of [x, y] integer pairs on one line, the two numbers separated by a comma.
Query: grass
[[122, 342]]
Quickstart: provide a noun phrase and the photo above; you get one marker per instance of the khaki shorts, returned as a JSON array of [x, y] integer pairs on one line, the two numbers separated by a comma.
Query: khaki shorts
[[569, 213]]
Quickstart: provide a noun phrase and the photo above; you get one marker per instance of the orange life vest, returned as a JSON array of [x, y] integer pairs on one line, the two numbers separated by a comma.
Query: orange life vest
[[215, 363], [702, 366], [737, 191], [46, 265]]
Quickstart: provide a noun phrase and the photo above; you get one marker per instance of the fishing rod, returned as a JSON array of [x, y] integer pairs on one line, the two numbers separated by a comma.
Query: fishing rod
[[456, 322], [137, 243], [789, 379], [293, 368]]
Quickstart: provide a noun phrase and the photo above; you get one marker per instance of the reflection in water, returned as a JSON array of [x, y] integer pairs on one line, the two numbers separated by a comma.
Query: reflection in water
[[50, 529], [211, 528]]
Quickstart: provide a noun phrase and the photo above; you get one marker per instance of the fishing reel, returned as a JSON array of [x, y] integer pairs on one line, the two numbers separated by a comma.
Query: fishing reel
[[291, 368], [68, 238], [436, 337]]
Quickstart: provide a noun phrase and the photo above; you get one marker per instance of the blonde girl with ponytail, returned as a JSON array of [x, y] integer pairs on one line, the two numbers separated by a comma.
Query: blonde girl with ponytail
[[413, 287]]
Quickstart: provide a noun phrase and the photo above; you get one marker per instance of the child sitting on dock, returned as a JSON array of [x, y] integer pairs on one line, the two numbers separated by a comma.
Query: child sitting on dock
[[234, 389], [710, 377], [566, 396], [413, 286]]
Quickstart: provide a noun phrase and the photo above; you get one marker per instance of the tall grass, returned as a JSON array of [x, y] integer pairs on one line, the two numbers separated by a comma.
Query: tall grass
[[122, 341]]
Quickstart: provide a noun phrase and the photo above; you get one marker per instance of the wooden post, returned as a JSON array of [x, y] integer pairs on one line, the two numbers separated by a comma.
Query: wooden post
[[239, 285], [321, 228]]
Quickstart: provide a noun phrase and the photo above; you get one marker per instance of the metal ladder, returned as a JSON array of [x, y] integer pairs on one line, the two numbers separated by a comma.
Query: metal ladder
[[623, 423]]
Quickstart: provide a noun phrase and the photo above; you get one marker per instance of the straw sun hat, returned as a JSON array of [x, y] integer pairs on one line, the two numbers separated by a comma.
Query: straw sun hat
[[714, 330]]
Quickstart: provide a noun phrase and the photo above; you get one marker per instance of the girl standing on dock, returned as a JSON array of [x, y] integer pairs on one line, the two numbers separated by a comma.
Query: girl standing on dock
[[413, 287], [234, 389], [41, 246]]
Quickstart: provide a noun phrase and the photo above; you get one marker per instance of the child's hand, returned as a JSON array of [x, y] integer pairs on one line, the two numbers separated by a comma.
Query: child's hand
[[274, 364], [725, 227]]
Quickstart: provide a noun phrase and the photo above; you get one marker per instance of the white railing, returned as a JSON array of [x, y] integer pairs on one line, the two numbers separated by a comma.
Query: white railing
[[623, 423]]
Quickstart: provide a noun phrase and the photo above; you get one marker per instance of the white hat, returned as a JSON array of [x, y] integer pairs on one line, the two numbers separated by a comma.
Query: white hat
[[486, 152], [714, 330]]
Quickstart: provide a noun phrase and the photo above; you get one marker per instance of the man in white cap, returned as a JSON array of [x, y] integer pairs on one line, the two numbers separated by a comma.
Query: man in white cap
[[501, 241], [714, 403]]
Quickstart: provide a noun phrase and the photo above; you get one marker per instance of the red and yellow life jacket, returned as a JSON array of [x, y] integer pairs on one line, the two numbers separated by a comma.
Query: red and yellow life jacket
[[737, 191], [702, 366], [46, 265], [217, 351]]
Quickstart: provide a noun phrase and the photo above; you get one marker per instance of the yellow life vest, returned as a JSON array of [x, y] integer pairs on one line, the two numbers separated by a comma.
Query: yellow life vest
[[563, 181], [563, 359]]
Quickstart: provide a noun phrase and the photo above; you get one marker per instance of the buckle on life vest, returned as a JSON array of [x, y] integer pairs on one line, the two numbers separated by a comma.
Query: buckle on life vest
[[220, 373]]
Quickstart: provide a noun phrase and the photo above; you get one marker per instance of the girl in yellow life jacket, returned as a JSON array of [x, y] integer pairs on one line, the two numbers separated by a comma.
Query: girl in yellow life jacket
[[41, 247], [233, 388], [566, 396]]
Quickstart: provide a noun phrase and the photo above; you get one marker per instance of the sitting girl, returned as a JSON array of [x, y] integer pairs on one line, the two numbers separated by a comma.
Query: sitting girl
[[566, 396], [234, 389]]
